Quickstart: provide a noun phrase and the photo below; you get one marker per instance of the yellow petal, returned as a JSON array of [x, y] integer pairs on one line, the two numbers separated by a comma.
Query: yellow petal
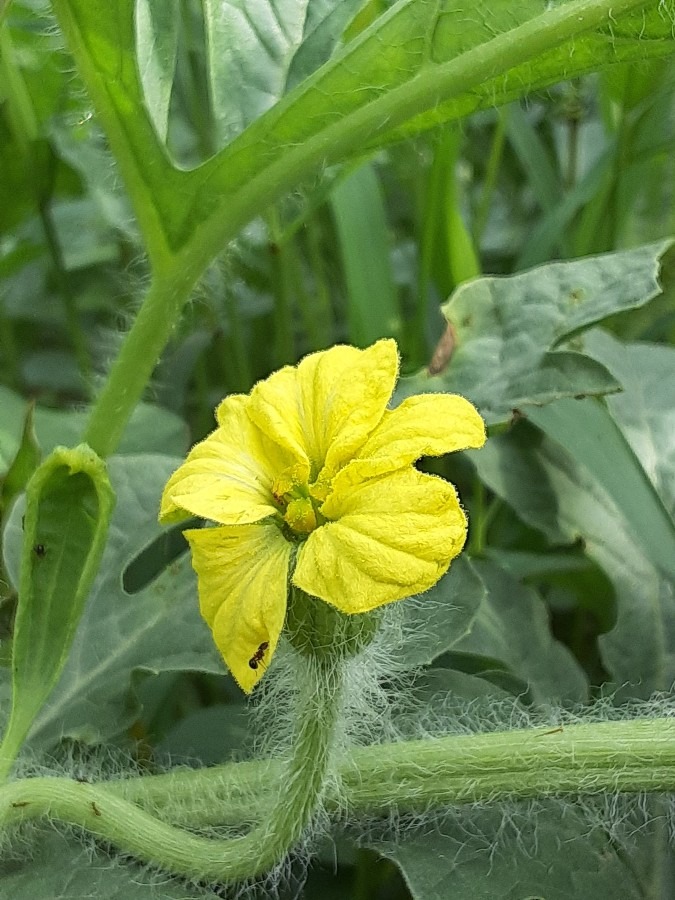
[[227, 477], [391, 537], [329, 404], [274, 407], [242, 576], [424, 425]]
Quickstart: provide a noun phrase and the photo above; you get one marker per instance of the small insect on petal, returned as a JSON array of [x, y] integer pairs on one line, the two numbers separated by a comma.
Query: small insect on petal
[[259, 655]]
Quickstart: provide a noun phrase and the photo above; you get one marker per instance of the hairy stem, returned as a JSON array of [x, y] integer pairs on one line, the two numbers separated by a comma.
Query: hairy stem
[[589, 758], [104, 812]]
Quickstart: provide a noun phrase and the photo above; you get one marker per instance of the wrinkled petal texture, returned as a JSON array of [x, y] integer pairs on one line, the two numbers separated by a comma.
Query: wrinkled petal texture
[[390, 537], [242, 576], [228, 476], [323, 410], [425, 425]]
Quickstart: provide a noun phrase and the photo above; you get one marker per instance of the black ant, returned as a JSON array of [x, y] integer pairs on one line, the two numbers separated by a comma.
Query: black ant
[[258, 656]]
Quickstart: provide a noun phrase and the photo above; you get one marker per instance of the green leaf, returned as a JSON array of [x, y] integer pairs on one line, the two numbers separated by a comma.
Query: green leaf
[[364, 244], [533, 156], [453, 690], [416, 59], [69, 502], [549, 853], [258, 51], [567, 577], [84, 151], [508, 331], [512, 627], [23, 465], [552, 228], [210, 735], [417, 65], [393, 71], [61, 869], [587, 431], [156, 46], [151, 429], [442, 616], [156, 629], [645, 407], [556, 492]]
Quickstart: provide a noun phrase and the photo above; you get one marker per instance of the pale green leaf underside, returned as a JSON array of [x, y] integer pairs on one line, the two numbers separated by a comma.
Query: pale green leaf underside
[[420, 63], [157, 24], [258, 51]]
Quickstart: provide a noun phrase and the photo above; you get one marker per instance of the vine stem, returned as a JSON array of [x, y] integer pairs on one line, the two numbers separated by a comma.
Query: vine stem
[[584, 759], [300, 787]]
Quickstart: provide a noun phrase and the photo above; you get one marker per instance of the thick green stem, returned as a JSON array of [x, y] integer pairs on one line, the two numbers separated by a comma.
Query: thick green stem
[[586, 759], [284, 819], [180, 259]]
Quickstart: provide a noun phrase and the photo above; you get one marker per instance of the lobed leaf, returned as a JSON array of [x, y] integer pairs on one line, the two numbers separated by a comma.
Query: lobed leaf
[[258, 51], [623, 527], [510, 334], [511, 627], [419, 64]]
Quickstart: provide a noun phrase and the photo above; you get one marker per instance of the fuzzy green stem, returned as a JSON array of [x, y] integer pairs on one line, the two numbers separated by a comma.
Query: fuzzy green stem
[[101, 810], [586, 759]]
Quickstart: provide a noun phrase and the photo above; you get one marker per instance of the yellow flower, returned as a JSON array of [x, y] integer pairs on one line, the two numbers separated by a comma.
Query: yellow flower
[[311, 479]]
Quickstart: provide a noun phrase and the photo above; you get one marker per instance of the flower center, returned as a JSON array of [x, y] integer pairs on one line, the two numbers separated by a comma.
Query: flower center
[[298, 500]]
